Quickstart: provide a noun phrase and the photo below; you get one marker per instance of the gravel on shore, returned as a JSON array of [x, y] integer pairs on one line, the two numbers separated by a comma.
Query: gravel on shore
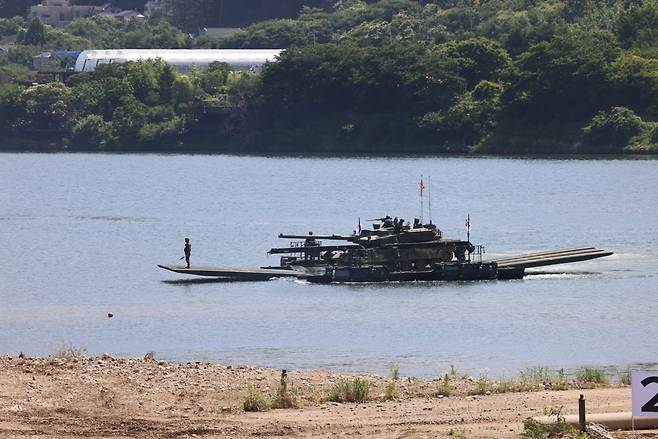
[[113, 397]]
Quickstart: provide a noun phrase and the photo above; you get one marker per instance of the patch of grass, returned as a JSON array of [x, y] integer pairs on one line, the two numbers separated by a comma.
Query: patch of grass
[[350, 390], [537, 374], [591, 376], [625, 378], [227, 409], [68, 350], [286, 395], [255, 401], [482, 385], [444, 387], [391, 388], [561, 382], [456, 433], [391, 391], [536, 430], [513, 385], [394, 372], [533, 379]]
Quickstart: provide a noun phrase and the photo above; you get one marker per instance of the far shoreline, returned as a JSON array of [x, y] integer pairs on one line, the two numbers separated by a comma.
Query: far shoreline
[[338, 155]]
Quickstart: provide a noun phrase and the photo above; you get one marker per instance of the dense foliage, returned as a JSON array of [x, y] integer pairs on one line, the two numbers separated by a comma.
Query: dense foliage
[[500, 76], [193, 15], [142, 105]]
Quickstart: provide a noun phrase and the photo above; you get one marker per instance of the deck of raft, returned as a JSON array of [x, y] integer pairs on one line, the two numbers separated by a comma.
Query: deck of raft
[[251, 274], [518, 262], [554, 257]]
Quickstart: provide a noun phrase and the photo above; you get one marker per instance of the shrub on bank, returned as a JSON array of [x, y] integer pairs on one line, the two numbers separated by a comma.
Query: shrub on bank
[[256, 401], [286, 394], [350, 390], [591, 376], [391, 388]]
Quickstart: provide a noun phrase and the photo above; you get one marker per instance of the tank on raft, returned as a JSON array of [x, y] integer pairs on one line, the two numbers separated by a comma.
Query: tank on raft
[[393, 250]]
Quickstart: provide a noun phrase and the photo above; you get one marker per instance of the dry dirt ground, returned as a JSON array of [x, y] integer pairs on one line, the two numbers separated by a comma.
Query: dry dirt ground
[[103, 397]]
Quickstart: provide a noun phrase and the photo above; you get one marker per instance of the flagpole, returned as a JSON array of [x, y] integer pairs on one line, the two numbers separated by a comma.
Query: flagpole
[[468, 227], [429, 196], [421, 197]]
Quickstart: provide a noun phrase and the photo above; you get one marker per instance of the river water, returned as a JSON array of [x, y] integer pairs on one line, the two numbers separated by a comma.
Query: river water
[[82, 234]]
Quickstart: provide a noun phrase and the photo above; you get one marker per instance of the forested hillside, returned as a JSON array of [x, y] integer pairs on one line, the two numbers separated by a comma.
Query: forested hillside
[[497, 76], [196, 14]]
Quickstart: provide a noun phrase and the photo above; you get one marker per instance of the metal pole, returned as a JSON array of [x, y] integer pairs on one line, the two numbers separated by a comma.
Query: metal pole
[[421, 185], [581, 414], [429, 196]]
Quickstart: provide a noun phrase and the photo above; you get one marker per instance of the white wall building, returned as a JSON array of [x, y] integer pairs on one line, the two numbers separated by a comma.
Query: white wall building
[[60, 12], [183, 59]]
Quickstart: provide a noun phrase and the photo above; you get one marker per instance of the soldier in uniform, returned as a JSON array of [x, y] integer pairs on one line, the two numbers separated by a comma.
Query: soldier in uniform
[[188, 251]]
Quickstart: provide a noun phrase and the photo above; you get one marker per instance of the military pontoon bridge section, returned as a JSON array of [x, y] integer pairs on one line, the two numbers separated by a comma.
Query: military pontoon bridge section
[[554, 257], [509, 266], [235, 274]]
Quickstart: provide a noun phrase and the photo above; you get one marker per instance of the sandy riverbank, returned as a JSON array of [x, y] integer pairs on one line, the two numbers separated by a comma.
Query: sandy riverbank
[[106, 397]]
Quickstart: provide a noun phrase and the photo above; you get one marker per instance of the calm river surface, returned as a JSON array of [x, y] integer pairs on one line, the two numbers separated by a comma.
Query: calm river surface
[[82, 235]]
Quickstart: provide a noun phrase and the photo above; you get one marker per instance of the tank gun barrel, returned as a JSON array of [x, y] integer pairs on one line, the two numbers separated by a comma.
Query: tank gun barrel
[[322, 237], [312, 249]]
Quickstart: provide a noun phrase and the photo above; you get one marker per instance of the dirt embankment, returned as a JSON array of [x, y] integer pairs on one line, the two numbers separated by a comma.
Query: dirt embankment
[[104, 397]]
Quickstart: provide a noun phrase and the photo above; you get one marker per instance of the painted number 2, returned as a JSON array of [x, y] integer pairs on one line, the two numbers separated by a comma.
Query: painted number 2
[[650, 406]]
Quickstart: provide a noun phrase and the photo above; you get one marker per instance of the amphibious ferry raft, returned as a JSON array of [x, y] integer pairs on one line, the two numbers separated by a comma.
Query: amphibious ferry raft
[[392, 250]]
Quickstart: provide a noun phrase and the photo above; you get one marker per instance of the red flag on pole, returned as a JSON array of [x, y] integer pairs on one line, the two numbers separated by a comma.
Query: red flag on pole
[[421, 185]]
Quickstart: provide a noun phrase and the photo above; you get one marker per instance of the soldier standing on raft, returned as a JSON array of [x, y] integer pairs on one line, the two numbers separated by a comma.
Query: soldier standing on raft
[[188, 251]]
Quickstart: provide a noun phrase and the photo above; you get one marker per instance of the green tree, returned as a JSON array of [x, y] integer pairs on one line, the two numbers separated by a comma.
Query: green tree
[[127, 120], [610, 131], [478, 59], [11, 26], [143, 77], [92, 132], [635, 84], [182, 91], [166, 80], [565, 78], [10, 105], [470, 119], [35, 35], [46, 106], [14, 73], [638, 25], [22, 55], [162, 130]]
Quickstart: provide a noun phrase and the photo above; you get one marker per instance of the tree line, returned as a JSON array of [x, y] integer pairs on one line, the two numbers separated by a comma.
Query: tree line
[[498, 76]]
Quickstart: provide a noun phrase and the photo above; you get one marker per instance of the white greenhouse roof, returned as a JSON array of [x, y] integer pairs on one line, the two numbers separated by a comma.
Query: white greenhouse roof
[[183, 59]]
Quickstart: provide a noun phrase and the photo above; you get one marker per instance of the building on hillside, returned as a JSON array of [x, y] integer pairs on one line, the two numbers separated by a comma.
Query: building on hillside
[[124, 15], [183, 59], [64, 58], [61, 12]]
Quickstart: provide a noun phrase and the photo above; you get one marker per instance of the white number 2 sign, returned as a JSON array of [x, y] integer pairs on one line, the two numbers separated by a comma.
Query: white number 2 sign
[[645, 393]]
